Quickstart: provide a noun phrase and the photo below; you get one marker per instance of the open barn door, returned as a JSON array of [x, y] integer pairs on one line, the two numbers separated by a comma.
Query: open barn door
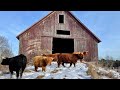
[[62, 45]]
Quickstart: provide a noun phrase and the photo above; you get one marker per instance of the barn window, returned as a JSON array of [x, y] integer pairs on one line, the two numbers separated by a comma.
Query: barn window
[[61, 18], [63, 32]]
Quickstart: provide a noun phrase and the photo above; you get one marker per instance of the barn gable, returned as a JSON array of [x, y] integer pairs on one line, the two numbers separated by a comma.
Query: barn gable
[[70, 13]]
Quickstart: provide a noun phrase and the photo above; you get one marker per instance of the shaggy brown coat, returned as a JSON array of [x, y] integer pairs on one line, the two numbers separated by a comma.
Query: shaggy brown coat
[[68, 58], [42, 61], [82, 54]]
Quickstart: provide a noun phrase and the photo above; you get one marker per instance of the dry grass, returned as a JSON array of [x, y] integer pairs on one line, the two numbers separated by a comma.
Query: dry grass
[[4, 68], [110, 75], [54, 71], [92, 70], [1, 74], [40, 77], [26, 70]]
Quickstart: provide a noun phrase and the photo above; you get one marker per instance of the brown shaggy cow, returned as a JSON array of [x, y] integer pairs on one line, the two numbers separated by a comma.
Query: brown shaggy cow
[[49, 60], [82, 54], [70, 58], [67, 58], [42, 61]]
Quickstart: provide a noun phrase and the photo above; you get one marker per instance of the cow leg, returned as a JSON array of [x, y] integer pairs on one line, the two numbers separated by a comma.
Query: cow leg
[[74, 64], [63, 64], [36, 68], [43, 68], [81, 60], [21, 72], [17, 74], [11, 73], [70, 64], [58, 64]]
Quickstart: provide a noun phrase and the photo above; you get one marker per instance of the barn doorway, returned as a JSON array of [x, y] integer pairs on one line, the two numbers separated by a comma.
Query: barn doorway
[[61, 45]]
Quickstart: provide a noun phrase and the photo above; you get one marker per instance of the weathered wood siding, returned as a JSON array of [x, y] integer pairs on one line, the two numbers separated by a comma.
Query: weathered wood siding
[[40, 36]]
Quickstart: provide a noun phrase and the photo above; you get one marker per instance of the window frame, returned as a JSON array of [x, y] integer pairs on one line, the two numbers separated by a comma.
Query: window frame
[[63, 32], [63, 18]]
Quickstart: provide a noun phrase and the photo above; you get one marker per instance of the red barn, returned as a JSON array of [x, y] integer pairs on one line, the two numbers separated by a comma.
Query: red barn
[[59, 31]]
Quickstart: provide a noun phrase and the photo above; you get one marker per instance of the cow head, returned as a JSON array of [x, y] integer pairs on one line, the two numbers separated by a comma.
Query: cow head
[[85, 53], [81, 54], [78, 54], [5, 61]]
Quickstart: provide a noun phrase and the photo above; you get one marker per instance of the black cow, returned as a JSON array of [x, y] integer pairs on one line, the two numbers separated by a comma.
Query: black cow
[[17, 63]]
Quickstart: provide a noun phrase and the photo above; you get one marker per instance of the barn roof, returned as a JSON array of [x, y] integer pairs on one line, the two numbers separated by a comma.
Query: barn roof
[[70, 13]]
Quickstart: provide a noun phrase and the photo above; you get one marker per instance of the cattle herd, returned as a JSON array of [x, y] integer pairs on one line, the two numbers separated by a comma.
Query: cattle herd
[[18, 63]]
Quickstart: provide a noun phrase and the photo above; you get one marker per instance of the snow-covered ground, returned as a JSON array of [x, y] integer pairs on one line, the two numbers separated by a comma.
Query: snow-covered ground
[[53, 72]]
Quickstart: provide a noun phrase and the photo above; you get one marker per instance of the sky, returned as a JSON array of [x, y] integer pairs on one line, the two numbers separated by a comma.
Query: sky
[[104, 24]]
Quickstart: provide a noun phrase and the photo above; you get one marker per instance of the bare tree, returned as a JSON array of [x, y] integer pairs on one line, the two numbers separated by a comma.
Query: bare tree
[[5, 49]]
